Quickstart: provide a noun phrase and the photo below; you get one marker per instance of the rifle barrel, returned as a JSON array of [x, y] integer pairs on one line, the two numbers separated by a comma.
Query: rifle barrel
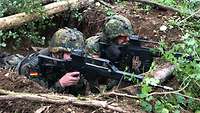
[[141, 39]]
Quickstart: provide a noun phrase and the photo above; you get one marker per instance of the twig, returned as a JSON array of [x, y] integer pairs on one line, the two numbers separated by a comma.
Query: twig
[[155, 93], [58, 99], [169, 92], [193, 14], [197, 99], [185, 79], [197, 83], [119, 83], [122, 95]]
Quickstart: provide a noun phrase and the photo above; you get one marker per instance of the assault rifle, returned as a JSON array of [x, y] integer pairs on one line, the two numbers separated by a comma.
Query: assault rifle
[[124, 54], [91, 68]]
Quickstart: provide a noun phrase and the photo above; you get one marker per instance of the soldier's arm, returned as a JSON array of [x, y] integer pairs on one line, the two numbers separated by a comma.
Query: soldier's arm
[[30, 68]]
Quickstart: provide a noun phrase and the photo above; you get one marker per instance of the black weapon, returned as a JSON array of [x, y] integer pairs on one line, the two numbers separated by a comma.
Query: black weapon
[[124, 54], [90, 68]]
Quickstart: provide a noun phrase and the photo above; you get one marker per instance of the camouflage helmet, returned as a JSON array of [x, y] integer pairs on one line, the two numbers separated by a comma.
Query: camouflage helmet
[[66, 39], [92, 45], [115, 26]]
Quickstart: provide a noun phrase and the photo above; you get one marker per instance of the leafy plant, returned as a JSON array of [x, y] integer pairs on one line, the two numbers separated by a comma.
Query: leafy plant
[[10, 7], [186, 6], [146, 106], [76, 14], [29, 31], [109, 11], [187, 66]]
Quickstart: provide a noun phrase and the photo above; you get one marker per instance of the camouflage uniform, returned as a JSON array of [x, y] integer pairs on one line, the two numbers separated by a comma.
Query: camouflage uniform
[[65, 39], [8, 61], [114, 26]]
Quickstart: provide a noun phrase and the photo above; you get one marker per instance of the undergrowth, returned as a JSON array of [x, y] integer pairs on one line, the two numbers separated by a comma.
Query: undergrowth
[[187, 70]]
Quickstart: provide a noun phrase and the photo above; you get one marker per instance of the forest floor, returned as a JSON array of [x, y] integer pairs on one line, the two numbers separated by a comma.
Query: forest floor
[[145, 23]]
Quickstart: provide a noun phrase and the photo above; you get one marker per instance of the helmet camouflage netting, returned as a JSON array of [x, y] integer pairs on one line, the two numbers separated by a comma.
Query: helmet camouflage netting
[[115, 26], [66, 39]]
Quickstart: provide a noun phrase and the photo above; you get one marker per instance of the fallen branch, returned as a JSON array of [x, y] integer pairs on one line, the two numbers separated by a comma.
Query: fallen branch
[[150, 2], [177, 92], [57, 99], [105, 4], [50, 9]]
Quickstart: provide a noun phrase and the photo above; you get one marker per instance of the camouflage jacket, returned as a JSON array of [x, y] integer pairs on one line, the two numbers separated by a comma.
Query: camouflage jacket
[[30, 68]]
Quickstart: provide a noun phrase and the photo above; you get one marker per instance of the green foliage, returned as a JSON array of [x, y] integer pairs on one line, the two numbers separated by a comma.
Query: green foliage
[[117, 1], [76, 14], [30, 31], [146, 89], [145, 98], [146, 106], [187, 71], [164, 106], [186, 6], [180, 99], [168, 2], [160, 107], [144, 7], [109, 11], [9, 7]]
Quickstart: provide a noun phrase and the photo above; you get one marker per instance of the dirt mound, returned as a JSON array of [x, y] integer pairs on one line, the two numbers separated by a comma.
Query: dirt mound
[[13, 82]]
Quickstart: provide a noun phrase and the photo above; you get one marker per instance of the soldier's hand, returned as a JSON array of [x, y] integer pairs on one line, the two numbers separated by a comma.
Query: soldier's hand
[[69, 79]]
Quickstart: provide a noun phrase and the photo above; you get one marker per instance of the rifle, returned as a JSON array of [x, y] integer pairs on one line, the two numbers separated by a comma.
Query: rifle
[[124, 54], [90, 68]]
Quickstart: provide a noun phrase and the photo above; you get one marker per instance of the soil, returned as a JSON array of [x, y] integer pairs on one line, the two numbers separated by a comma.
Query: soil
[[145, 23]]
